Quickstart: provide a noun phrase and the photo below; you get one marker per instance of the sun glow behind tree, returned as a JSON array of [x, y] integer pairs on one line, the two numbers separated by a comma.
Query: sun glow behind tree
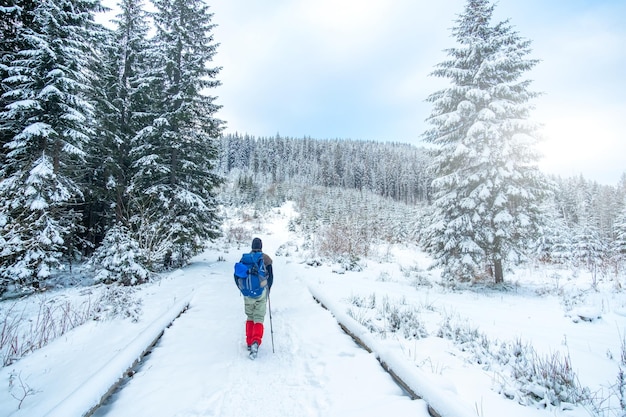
[[487, 184]]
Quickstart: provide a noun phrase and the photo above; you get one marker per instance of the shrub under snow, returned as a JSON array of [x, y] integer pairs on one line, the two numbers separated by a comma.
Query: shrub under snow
[[119, 259]]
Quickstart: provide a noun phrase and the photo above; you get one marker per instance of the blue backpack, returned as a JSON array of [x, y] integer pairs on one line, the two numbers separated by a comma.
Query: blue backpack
[[250, 274]]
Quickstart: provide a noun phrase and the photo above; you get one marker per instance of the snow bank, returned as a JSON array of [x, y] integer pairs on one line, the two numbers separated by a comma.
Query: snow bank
[[435, 392], [78, 395], [89, 394]]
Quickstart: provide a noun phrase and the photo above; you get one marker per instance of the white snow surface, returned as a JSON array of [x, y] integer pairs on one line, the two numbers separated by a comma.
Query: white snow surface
[[307, 366]]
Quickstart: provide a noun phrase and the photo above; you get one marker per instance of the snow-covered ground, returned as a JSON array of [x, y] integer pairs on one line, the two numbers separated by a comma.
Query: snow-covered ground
[[312, 368]]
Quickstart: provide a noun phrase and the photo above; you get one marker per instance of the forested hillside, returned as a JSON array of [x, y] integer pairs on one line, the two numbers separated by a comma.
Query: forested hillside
[[396, 170], [583, 224]]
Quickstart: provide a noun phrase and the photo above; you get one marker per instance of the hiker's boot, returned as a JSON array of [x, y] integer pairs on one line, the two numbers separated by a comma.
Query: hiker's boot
[[254, 350]]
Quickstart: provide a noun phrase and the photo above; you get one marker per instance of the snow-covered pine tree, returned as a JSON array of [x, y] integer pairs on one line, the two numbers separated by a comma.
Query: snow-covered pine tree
[[15, 17], [487, 184], [47, 118], [619, 244], [121, 111], [589, 250], [119, 259], [174, 184], [9, 19], [554, 240]]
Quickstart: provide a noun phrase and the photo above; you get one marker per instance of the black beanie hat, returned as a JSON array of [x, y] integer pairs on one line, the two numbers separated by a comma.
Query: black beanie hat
[[257, 244]]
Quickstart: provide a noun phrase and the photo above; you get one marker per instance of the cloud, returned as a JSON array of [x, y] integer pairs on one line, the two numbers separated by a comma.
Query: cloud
[[360, 69], [310, 65]]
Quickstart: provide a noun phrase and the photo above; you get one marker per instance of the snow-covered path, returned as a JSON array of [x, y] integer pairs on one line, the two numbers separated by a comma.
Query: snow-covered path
[[200, 367]]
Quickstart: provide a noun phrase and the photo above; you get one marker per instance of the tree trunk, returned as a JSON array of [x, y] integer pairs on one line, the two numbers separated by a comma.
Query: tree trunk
[[497, 266]]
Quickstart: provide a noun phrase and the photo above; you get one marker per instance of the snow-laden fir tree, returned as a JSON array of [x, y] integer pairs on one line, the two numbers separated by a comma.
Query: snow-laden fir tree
[[174, 210], [487, 185], [554, 239], [119, 259], [619, 245], [45, 122], [590, 249], [122, 97], [9, 26]]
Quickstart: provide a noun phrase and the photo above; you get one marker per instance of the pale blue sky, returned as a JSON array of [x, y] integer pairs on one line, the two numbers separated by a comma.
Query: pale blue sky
[[358, 69]]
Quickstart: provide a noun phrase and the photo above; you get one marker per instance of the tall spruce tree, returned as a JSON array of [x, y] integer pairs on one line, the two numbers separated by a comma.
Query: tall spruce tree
[[619, 244], [487, 184], [9, 18], [45, 122], [121, 111], [15, 17], [174, 207]]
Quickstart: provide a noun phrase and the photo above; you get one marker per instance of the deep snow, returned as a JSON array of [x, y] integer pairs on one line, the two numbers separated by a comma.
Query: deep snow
[[200, 365]]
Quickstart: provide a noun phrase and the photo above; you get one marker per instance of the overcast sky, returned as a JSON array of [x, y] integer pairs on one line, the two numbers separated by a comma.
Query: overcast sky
[[359, 69]]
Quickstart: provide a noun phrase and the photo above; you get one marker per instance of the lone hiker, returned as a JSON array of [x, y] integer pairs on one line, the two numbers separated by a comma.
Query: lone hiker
[[255, 293]]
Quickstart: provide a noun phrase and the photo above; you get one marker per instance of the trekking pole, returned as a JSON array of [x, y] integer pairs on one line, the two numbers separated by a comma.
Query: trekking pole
[[269, 306]]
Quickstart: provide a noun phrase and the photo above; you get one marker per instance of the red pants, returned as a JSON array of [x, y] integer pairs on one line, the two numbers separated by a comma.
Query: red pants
[[254, 332]]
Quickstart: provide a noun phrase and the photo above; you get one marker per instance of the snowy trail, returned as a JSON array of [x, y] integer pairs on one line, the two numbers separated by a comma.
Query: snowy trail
[[200, 367]]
